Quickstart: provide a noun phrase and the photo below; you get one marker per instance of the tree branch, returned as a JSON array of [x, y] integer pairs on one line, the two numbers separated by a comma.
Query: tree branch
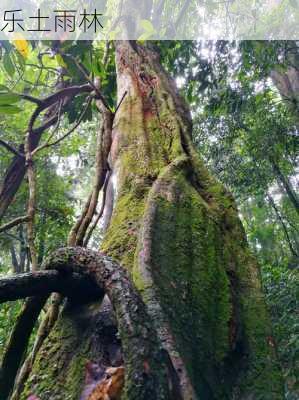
[[121, 101], [104, 141], [10, 148], [57, 123], [18, 342], [101, 212], [15, 173], [22, 375], [68, 133], [95, 87], [182, 13], [146, 365], [40, 283], [30, 98], [55, 98], [31, 206], [280, 219], [46, 125], [13, 223]]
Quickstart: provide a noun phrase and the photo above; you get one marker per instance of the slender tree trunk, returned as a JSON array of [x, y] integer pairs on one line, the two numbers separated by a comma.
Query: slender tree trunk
[[14, 259], [286, 184], [176, 230], [283, 225]]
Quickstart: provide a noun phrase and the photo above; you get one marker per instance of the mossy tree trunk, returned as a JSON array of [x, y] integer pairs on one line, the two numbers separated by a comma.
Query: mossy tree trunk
[[177, 231]]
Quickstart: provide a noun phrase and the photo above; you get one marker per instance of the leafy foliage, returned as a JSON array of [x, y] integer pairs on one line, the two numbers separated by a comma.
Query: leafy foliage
[[281, 287]]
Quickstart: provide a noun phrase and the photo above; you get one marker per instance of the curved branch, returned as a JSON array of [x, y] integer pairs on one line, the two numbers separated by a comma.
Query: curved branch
[[68, 133], [147, 369], [45, 282], [145, 362], [55, 98]]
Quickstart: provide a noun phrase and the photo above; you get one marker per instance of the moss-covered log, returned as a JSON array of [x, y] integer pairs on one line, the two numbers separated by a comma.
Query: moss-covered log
[[177, 231]]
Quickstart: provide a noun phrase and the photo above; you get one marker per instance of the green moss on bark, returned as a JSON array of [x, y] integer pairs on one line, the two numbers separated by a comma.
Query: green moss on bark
[[261, 378], [189, 277], [121, 238], [195, 249], [59, 370]]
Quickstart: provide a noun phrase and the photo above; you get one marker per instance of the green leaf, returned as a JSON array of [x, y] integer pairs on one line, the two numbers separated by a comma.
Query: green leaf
[[8, 65], [20, 60], [4, 88], [145, 36], [9, 98], [9, 110], [147, 26]]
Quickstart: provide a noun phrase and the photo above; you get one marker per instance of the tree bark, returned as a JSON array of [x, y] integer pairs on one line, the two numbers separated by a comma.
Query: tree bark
[[147, 369], [283, 225], [287, 82], [286, 184], [288, 85], [46, 282], [18, 342], [177, 232]]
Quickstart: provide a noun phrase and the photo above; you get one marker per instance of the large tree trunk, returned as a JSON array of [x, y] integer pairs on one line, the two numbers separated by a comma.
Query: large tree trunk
[[177, 231]]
